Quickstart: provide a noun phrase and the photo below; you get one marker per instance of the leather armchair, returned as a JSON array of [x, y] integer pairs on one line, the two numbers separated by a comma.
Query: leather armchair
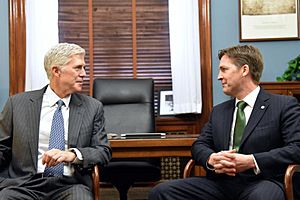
[[288, 178], [128, 108]]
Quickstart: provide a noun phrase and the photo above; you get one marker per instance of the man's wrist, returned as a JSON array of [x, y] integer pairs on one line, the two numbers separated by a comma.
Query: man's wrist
[[74, 155], [256, 167], [251, 162], [78, 156], [210, 167]]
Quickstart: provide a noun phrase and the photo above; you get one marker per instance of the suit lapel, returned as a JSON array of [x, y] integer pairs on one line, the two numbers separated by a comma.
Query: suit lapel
[[228, 117], [75, 119], [260, 107], [33, 113]]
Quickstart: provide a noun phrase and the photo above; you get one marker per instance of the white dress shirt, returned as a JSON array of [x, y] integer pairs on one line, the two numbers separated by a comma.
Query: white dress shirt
[[48, 108]]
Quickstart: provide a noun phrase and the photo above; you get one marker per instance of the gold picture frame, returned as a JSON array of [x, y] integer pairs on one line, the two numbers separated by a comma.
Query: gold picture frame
[[268, 20]]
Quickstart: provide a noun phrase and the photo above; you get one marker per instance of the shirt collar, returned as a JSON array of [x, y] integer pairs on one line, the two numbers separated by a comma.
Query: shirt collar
[[51, 98], [250, 98]]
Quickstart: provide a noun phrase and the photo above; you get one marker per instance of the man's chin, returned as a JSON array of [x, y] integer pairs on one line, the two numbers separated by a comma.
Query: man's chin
[[226, 91], [78, 85], [78, 88]]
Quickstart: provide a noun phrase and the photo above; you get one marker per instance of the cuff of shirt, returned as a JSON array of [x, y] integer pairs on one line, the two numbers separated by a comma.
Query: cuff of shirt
[[79, 158], [209, 167], [256, 169]]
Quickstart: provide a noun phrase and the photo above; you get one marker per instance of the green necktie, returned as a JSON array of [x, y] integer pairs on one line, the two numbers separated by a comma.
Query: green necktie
[[239, 124]]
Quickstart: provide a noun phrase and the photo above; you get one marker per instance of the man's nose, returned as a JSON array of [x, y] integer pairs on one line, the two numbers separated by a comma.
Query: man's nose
[[220, 77], [82, 72]]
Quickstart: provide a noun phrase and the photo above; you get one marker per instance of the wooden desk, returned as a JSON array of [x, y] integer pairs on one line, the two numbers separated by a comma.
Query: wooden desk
[[172, 145]]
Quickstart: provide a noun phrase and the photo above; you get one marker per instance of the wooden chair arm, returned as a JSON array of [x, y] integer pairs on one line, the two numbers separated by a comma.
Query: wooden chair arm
[[96, 182], [288, 180], [188, 168]]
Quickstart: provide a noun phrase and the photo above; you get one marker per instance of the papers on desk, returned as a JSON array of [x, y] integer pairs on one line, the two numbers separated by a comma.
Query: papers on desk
[[135, 135], [112, 135]]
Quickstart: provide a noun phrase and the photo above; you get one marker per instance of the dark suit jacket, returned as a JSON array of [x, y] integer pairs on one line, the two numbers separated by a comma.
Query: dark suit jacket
[[19, 135], [272, 135]]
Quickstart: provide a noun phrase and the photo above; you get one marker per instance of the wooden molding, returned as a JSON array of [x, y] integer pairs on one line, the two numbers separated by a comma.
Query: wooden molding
[[134, 39], [17, 46], [91, 46], [206, 60]]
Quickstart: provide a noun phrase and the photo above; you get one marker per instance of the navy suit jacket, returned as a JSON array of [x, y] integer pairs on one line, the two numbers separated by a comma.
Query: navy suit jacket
[[19, 136], [272, 135]]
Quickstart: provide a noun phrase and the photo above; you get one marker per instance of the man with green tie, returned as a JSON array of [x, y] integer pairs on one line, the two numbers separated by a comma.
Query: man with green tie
[[248, 141]]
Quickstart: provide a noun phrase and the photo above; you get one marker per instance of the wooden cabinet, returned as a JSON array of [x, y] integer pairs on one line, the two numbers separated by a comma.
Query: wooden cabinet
[[291, 88], [176, 125]]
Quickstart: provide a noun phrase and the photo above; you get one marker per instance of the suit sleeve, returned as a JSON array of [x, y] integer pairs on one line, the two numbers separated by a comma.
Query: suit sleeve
[[203, 147], [275, 160], [98, 151]]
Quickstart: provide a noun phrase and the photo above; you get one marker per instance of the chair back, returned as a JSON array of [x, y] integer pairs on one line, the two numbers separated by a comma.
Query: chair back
[[128, 104]]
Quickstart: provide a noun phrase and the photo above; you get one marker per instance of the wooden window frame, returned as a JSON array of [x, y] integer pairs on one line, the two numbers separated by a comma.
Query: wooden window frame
[[17, 46]]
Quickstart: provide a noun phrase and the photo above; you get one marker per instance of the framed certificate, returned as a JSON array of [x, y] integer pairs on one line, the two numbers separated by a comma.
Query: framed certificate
[[269, 20]]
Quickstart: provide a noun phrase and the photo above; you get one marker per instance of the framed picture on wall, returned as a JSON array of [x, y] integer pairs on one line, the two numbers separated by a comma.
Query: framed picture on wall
[[269, 20], [166, 103]]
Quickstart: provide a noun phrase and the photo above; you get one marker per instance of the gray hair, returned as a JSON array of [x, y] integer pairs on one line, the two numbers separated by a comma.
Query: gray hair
[[60, 55]]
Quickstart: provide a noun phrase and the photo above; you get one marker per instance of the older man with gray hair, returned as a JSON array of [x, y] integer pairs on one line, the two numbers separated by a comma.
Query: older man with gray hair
[[50, 138]]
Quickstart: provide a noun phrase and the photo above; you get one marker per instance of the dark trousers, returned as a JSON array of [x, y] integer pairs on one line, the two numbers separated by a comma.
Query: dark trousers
[[296, 186], [231, 188], [47, 188]]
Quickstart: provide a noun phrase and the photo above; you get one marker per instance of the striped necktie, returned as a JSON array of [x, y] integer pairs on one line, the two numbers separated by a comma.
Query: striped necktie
[[57, 140]]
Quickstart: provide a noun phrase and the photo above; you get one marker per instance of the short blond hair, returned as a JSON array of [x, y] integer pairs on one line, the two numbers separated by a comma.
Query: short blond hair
[[60, 55]]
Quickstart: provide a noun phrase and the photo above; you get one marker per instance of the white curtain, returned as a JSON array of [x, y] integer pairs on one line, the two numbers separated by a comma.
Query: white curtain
[[41, 35], [185, 56]]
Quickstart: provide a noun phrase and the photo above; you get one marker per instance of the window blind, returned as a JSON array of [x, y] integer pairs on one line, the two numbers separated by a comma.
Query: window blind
[[130, 38]]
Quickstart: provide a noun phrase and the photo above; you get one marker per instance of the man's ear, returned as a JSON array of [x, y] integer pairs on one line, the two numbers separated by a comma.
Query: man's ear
[[55, 71], [246, 70]]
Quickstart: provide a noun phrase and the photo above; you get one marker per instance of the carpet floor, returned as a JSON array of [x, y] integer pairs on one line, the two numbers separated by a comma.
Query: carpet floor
[[135, 193]]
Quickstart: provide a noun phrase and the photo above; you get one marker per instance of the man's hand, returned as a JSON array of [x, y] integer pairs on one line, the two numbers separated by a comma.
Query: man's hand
[[243, 162], [223, 162], [56, 156], [230, 162]]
